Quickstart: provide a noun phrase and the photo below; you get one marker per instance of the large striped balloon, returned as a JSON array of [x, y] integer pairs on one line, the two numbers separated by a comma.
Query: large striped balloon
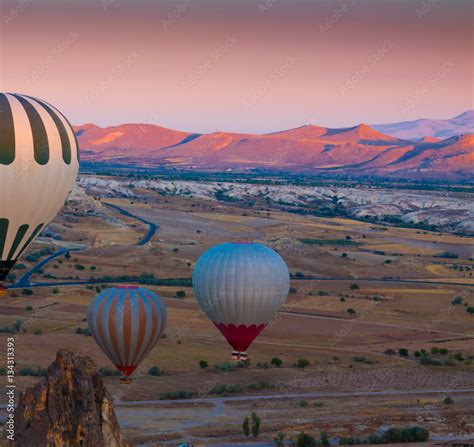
[[39, 160], [126, 322], [241, 286]]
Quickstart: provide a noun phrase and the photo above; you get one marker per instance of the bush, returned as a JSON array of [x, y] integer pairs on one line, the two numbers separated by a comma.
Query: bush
[[79, 267], [246, 426], [225, 389], [109, 372], [443, 351], [303, 403], [55, 290], [27, 292], [276, 361], [155, 371], [305, 440], [302, 363], [351, 311], [37, 332], [448, 400], [279, 439], [256, 421], [354, 287], [323, 438], [34, 371], [180, 294], [29, 308], [85, 331], [293, 290], [403, 352], [434, 350], [470, 310], [3, 371], [203, 364], [173, 395]]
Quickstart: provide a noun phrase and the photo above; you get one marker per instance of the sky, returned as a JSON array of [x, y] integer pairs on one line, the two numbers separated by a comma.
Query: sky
[[240, 65]]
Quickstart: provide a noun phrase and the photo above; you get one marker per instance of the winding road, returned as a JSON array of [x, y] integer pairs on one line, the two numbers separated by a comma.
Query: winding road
[[24, 280]]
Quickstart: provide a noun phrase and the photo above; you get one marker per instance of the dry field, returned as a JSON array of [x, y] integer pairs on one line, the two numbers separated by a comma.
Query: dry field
[[393, 279]]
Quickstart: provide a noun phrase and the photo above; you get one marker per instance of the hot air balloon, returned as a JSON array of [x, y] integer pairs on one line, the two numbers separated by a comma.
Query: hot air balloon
[[39, 160], [126, 322], [241, 286]]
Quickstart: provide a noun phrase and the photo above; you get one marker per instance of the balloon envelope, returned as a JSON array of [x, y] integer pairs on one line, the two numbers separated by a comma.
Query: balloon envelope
[[126, 322], [241, 286], [39, 161]]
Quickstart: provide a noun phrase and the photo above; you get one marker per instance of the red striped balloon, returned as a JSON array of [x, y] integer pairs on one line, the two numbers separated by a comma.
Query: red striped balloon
[[126, 322]]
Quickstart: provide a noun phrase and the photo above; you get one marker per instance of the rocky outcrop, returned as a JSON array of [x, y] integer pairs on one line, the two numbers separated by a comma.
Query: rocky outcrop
[[70, 407]]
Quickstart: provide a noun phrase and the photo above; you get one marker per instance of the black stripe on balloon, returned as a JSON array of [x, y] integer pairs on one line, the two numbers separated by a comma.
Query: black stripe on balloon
[[65, 143], [7, 132], [70, 126], [40, 137], [3, 234], [30, 239], [20, 234]]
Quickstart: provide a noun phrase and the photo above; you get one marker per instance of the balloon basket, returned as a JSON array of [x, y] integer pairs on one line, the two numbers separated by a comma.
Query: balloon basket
[[238, 355], [126, 380]]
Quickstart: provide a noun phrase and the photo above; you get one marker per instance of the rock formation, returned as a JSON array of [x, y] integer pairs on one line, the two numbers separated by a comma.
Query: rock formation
[[70, 407]]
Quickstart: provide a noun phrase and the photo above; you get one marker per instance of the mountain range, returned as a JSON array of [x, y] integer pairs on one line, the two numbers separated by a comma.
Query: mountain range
[[357, 151]]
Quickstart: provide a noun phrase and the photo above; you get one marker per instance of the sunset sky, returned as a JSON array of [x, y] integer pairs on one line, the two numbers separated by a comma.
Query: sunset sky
[[253, 66]]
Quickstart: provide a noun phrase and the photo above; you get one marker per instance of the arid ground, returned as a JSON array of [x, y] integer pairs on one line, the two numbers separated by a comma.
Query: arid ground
[[360, 292]]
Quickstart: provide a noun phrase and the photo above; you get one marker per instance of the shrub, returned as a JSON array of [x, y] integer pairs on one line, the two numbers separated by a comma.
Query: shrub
[[458, 356], [85, 331], [3, 371], [323, 438], [448, 400], [403, 352], [470, 310], [155, 371], [354, 287], [256, 421], [303, 403], [27, 292], [302, 363], [276, 361], [279, 439], [29, 308], [37, 332], [34, 371], [180, 294], [351, 311], [443, 351], [434, 350], [457, 300], [305, 440], [246, 426], [293, 290], [203, 364], [109, 372], [173, 395], [55, 290], [79, 267]]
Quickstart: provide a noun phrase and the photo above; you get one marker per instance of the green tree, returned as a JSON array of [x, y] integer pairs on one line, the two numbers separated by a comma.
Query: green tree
[[403, 352], [246, 426], [323, 438], [280, 439], [354, 287], [155, 371], [302, 363], [305, 440], [276, 361], [203, 364], [351, 311], [256, 421]]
